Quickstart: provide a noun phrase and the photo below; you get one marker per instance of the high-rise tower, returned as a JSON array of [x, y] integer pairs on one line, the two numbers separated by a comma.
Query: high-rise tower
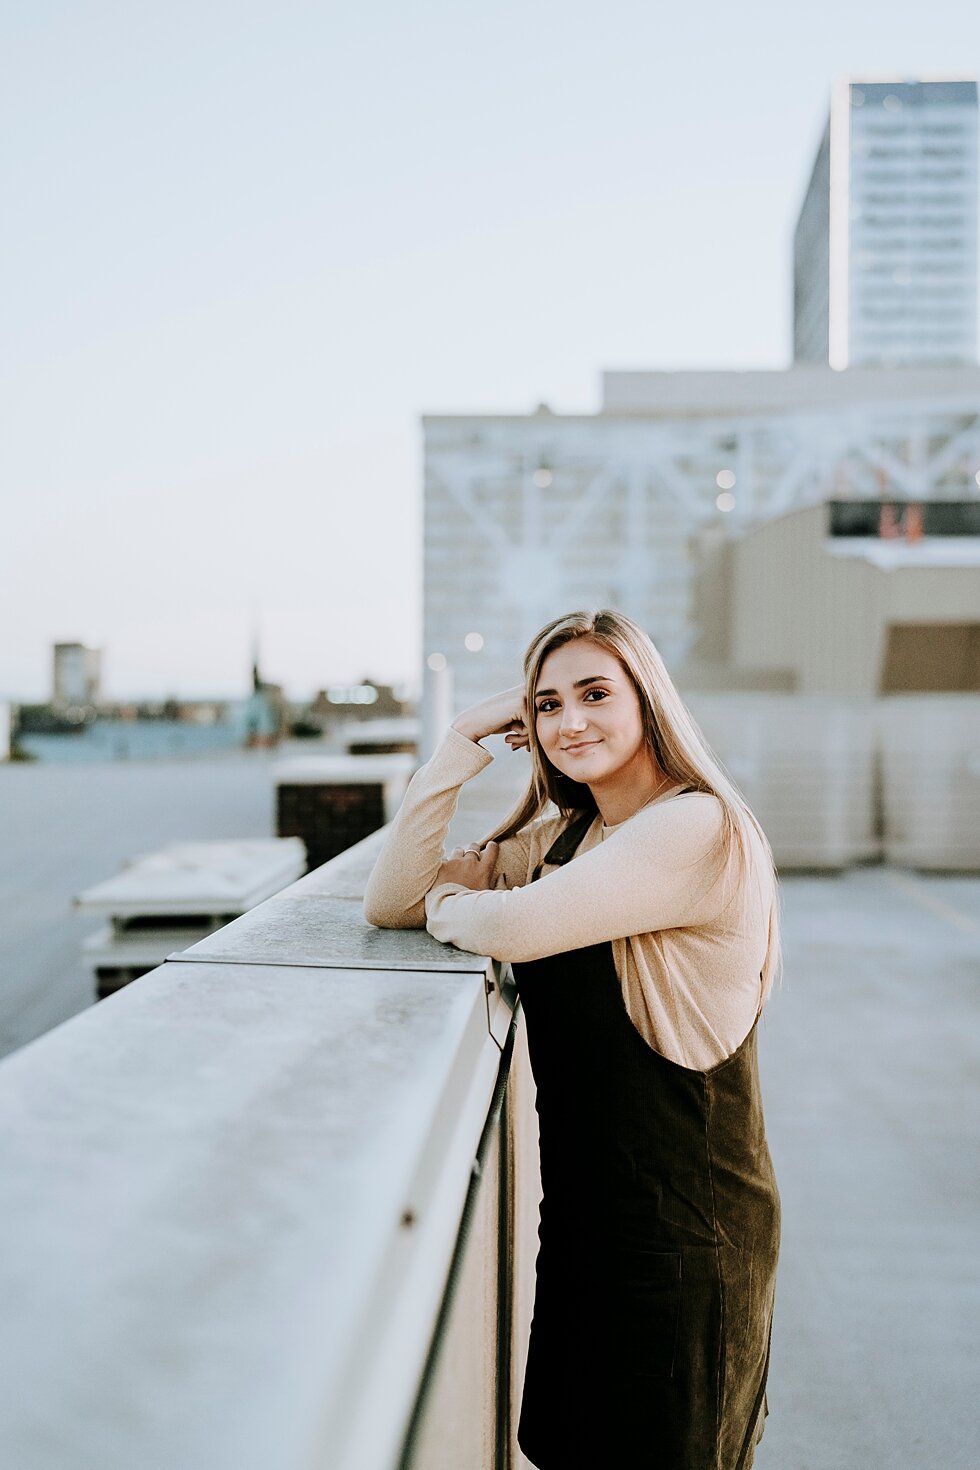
[[885, 251]]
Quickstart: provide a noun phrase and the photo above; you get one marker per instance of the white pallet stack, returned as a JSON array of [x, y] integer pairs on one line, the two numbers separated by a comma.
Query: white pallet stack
[[806, 766], [167, 900], [930, 756]]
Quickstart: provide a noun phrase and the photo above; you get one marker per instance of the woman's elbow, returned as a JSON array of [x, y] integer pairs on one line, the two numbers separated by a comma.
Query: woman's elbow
[[385, 915], [373, 907], [375, 913]]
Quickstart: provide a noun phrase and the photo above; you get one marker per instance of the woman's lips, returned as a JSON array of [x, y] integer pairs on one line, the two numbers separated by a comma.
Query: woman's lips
[[582, 745]]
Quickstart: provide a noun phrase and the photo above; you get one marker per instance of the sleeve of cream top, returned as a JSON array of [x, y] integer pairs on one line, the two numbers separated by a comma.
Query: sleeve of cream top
[[659, 870], [409, 861]]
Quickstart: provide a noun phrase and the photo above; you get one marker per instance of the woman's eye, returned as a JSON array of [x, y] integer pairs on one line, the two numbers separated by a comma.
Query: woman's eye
[[546, 706], [599, 693]]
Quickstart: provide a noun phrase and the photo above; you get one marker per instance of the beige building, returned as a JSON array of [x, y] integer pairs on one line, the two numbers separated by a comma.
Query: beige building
[[790, 606]]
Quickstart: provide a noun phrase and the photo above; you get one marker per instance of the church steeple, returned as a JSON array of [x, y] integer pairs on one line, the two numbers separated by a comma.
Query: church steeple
[[256, 676]]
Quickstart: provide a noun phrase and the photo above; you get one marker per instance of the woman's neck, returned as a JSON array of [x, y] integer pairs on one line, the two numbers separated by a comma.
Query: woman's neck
[[626, 792]]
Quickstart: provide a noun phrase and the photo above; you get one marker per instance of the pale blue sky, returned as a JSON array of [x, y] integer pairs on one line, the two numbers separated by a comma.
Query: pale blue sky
[[247, 245]]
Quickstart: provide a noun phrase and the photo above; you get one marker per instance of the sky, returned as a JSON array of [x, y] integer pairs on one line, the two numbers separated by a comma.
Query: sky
[[246, 245]]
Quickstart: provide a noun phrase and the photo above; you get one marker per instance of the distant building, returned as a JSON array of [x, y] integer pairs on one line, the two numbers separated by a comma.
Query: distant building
[[364, 701], [77, 677], [885, 250], [265, 712]]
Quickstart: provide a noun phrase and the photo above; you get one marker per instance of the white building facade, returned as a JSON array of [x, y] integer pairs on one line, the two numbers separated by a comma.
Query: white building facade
[[885, 249], [529, 517]]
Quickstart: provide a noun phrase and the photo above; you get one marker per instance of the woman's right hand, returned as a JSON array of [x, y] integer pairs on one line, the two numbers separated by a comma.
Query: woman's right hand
[[502, 714]]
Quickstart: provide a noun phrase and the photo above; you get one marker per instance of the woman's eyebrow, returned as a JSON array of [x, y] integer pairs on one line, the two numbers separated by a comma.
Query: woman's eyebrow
[[579, 684]]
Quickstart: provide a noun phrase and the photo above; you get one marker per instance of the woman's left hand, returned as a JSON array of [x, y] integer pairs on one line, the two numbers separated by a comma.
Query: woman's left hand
[[471, 867]]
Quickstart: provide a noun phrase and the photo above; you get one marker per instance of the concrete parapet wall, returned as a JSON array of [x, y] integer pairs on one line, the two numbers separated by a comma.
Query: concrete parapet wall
[[469, 1405]]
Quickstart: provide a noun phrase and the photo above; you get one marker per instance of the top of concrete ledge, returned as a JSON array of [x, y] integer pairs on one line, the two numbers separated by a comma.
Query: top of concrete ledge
[[322, 932], [346, 875]]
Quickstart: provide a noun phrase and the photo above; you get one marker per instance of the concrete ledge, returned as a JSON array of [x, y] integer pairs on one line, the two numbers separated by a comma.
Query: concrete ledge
[[230, 1194], [204, 1254]]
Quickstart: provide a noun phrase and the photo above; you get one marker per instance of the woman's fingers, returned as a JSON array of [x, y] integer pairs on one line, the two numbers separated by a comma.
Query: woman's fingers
[[494, 715], [472, 867]]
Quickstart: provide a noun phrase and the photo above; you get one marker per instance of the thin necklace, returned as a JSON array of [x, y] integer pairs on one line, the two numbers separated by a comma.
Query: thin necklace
[[657, 791]]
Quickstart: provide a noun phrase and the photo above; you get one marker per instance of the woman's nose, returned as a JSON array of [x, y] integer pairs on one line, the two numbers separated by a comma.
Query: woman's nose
[[572, 719]]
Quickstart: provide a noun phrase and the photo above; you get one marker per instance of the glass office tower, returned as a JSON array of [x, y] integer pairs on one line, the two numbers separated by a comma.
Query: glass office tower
[[885, 250]]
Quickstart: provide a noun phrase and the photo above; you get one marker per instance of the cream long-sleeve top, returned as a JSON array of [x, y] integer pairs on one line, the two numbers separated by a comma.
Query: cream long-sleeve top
[[689, 932]]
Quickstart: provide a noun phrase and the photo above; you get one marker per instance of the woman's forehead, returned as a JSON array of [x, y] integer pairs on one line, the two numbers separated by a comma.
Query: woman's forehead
[[583, 658]]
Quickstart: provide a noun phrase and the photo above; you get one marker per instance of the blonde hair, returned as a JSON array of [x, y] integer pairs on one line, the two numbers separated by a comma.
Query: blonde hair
[[680, 749]]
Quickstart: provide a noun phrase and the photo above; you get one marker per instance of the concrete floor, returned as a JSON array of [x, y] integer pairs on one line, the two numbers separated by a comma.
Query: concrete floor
[[871, 1067], [871, 1070]]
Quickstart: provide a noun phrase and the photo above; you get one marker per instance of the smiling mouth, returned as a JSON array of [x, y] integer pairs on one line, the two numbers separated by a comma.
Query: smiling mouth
[[582, 745]]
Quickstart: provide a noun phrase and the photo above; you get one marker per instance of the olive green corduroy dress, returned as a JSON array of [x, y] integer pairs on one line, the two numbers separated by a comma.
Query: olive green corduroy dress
[[659, 1236]]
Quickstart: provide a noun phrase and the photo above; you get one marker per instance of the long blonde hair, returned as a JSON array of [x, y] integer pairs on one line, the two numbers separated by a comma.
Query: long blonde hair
[[680, 749]]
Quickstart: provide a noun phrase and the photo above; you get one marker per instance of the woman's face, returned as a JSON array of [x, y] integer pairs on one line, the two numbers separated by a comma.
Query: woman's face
[[587, 714]]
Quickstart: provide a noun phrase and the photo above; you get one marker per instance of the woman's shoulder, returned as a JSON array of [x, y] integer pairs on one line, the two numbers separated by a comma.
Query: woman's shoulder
[[688, 827], [694, 812], [691, 829]]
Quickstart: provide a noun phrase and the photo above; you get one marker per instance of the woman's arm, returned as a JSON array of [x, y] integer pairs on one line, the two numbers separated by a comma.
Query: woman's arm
[[409, 862], [660, 870]]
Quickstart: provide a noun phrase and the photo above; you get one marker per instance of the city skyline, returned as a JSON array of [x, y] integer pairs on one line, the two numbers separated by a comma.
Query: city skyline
[[246, 270]]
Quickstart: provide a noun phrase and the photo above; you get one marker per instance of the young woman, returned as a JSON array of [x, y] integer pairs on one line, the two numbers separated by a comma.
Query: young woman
[[641, 921]]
